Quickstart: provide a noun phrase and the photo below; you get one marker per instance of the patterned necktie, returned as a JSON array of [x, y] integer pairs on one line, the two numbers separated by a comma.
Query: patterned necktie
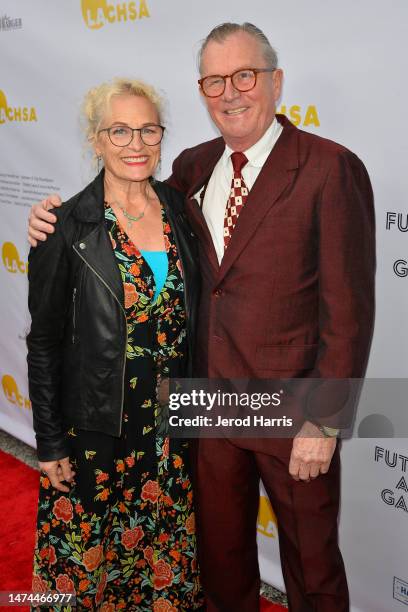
[[237, 198]]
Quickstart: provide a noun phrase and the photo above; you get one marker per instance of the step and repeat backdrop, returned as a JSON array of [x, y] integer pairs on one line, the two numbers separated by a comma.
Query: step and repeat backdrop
[[345, 79]]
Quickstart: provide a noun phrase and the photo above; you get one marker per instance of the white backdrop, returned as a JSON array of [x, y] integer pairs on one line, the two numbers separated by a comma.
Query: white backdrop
[[345, 78]]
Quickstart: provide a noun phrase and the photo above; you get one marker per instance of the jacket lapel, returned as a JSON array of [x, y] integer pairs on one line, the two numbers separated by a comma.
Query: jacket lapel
[[96, 251], [193, 208], [276, 174]]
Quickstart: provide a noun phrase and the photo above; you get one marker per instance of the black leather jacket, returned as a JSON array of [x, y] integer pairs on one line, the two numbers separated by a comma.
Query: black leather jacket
[[77, 343]]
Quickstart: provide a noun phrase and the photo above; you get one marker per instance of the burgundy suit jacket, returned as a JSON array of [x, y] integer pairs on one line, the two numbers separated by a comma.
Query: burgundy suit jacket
[[294, 295]]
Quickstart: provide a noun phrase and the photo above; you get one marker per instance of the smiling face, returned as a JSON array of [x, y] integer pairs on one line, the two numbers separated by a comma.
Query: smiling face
[[136, 161], [241, 117]]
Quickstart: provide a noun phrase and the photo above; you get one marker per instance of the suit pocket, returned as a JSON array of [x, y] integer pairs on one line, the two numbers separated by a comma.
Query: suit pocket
[[286, 357]]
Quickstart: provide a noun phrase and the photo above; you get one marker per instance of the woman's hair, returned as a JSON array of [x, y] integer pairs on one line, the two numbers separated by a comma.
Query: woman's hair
[[97, 101]]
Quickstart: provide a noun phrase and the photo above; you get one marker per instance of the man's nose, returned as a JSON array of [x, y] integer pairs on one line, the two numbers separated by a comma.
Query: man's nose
[[230, 92]]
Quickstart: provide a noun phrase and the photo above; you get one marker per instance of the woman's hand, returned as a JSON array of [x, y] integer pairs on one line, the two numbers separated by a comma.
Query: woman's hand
[[57, 471]]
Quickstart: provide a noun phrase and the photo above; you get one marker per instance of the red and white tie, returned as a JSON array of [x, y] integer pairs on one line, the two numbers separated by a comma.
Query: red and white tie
[[237, 198]]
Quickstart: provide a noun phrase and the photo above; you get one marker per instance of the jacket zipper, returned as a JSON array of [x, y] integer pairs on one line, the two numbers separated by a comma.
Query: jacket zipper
[[124, 314], [73, 315]]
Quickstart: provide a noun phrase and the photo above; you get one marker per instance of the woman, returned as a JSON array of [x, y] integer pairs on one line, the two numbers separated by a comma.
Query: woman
[[112, 297]]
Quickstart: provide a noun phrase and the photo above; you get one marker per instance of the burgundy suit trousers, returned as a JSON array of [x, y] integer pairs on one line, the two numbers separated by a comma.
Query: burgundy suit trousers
[[227, 496]]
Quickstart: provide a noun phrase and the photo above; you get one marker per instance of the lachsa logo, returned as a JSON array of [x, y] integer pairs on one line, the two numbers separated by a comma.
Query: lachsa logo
[[15, 113], [11, 259], [267, 523], [12, 392], [97, 13], [301, 116]]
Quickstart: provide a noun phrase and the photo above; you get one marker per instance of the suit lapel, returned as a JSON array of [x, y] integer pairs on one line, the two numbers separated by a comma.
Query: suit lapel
[[275, 176], [194, 210]]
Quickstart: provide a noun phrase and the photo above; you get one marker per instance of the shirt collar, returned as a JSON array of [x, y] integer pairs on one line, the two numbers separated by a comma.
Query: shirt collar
[[258, 153]]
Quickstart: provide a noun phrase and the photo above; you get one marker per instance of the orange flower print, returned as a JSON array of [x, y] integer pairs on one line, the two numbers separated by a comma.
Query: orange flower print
[[167, 244], [131, 537], [107, 607], [163, 575], [46, 528], [163, 537], [110, 555], [45, 482], [103, 495], [39, 585], [122, 507], [130, 461], [162, 605], [165, 448], [120, 466], [62, 509], [127, 494], [134, 270], [87, 602], [92, 558], [166, 228], [161, 338], [79, 509], [175, 554], [84, 584], [131, 295], [101, 588], [102, 477], [178, 462], [142, 318], [150, 491], [86, 528], [190, 524], [130, 249], [148, 555], [64, 584], [48, 553]]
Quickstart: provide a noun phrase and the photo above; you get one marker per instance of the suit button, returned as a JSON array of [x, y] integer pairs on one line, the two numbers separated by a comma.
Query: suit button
[[217, 292]]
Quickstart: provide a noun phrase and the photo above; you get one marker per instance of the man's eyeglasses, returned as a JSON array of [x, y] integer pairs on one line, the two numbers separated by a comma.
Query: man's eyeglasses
[[243, 80], [122, 135]]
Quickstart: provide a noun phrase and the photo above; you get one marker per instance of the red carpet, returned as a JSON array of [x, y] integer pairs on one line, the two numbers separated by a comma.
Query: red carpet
[[18, 508]]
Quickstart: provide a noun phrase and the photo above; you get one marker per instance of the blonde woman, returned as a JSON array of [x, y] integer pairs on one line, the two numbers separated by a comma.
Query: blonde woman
[[112, 298]]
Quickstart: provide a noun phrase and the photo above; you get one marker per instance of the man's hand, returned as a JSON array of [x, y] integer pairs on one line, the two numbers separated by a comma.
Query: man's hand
[[41, 221], [57, 471], [311, 453]]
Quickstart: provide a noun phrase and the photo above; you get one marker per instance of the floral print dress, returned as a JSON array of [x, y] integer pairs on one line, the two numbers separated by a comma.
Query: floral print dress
[[123, 538]]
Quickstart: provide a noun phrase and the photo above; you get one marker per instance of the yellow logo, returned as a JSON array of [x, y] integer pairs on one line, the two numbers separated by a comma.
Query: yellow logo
[[15, 113], [12, 393], [11, 259], [300, 117], [267, 523], [97, 13]]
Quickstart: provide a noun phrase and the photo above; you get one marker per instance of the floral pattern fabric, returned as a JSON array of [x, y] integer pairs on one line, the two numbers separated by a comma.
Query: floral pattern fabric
[[123, 538]]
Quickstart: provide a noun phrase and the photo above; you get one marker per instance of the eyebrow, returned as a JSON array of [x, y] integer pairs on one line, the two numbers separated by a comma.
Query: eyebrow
[[127, 125]]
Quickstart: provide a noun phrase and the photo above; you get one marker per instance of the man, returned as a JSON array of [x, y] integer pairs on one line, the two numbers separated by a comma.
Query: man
[[288, 282]]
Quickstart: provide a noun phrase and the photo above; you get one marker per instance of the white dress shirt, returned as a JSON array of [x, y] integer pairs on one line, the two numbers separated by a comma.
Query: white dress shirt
[[219, 185]]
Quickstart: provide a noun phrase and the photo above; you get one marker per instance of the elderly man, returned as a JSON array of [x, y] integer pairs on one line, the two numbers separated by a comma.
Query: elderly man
[[286, 229]]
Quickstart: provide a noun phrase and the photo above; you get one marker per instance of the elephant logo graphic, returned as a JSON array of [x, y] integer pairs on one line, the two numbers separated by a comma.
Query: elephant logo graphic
[[267, 523], [11, 390], [3, 107], [94, 12], [11, 259]]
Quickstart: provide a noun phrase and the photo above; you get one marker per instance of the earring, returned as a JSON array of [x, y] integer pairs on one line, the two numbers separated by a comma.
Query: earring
[[99, 162]]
